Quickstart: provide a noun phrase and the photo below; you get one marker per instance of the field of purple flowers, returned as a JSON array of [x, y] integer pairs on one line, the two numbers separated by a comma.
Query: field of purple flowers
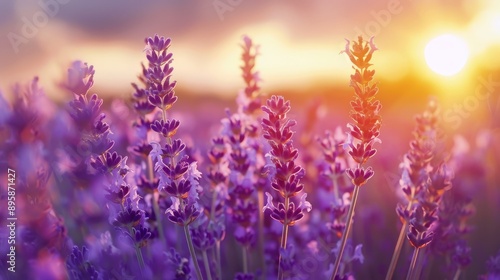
[[139, 188]]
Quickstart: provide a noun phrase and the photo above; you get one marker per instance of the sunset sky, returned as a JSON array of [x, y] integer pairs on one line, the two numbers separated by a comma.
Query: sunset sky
[[300, 40]]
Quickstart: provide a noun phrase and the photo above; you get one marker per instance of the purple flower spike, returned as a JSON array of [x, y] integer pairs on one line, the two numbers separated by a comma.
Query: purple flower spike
[[286, 174], [365, 129], [277, 130], [248, 98]]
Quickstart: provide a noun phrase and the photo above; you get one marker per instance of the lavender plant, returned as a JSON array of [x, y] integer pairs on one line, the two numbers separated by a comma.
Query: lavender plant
[[146, 182], [178, 177], [416, 167], [286, 173], [425, 214], [243, 154], [455, 210], [365, 130], [43, 242], [217, 177], [333, 177], [108, 169], [426, 177]]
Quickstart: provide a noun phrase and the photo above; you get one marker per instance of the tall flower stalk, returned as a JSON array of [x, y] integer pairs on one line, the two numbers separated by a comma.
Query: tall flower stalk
[[455, 209], [286, 174], [333, 178], [217, 176], [423, 219], [243, 207], [415, 167], [178, 176], [146, 181], [245, 159], [364, 132], [249, 101]]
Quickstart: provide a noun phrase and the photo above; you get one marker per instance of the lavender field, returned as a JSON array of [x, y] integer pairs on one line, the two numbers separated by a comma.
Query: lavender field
[[189, 170]]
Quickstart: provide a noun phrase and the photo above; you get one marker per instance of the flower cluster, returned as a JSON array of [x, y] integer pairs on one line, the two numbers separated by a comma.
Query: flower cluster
[[41, 239]]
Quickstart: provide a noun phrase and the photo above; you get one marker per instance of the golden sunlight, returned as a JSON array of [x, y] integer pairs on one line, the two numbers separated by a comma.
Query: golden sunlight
[[446, 54]]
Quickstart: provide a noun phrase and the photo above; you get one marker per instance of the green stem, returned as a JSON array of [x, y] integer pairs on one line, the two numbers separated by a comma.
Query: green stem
[[217, 242], [397, 251], [138, 251], [156, 206], [457, 274], [140, 259], [217, 256], [159, 225], [245, 259], [284, 237], [192, 252], [164, 114], [260, 196], [207, 265], [399, 244], [411, 270], [336, 194], [418, 266], [346, 232]]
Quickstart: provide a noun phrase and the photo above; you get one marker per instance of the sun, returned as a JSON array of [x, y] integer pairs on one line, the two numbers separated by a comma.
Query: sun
[[446, 54]]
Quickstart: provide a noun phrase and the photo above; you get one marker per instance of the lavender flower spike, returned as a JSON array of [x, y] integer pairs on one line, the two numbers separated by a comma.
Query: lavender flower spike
[[286, 173], [179, 177], [365, 129]]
